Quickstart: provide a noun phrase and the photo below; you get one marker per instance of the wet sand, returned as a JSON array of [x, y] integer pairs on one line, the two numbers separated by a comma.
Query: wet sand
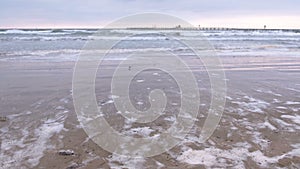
[[260, 127]]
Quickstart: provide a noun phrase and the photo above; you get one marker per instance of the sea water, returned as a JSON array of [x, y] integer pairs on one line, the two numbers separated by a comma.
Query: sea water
[[56, 45]]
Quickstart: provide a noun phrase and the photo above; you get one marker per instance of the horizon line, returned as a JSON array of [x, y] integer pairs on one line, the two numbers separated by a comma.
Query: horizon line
[[174, 28]]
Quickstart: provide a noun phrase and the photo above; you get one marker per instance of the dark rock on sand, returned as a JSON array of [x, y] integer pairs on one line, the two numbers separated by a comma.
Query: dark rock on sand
[[3, 119], [66, 152]]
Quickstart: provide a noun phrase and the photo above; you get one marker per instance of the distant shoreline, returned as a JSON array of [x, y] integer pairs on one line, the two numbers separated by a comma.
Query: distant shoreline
[[157, 28]]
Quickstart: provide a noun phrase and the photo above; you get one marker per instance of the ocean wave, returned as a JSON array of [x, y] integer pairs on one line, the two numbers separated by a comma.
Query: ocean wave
[[75, 36], [111, 33], [22, 31], [66, 44], [46, 31]]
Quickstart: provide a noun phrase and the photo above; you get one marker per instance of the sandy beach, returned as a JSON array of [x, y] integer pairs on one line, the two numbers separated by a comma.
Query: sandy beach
[[260, 126], [128, 84]]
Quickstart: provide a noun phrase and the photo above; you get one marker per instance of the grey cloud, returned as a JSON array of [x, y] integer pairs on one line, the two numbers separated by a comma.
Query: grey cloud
[[13, 12]]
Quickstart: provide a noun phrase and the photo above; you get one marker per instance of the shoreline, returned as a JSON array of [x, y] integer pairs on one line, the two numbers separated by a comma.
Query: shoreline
[[259, 127]]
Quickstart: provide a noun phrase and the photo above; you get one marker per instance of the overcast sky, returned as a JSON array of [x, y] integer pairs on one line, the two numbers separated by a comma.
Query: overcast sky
[[97, 13]]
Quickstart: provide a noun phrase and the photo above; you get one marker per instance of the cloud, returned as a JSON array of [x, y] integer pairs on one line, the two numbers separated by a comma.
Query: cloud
[[55, 13]]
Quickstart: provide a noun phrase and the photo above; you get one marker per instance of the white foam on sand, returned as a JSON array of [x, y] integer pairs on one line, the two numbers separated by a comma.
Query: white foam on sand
[[128, 122], [64, 100], [141, 131], [140, 103], [25, 150], [212, 157], [276, 101], [107, 102], [292, 103], [269, 92], [295, 109], [197, 157], [229, 98], [252, 104], [292, 89], [273, 93], [285, 125], [269, 125], [113, 96], [253, 131], [140, 80], [295, 118], [259, 140], [121, 162], [281, 107], [170, 118]]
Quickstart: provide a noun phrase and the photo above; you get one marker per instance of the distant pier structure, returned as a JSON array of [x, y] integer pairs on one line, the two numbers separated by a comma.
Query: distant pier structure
[[180, 27]]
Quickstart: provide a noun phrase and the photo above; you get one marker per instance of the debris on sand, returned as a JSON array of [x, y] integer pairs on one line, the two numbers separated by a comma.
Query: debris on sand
[[66, 152], [284, 162], [3, 119], [73, 166]]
